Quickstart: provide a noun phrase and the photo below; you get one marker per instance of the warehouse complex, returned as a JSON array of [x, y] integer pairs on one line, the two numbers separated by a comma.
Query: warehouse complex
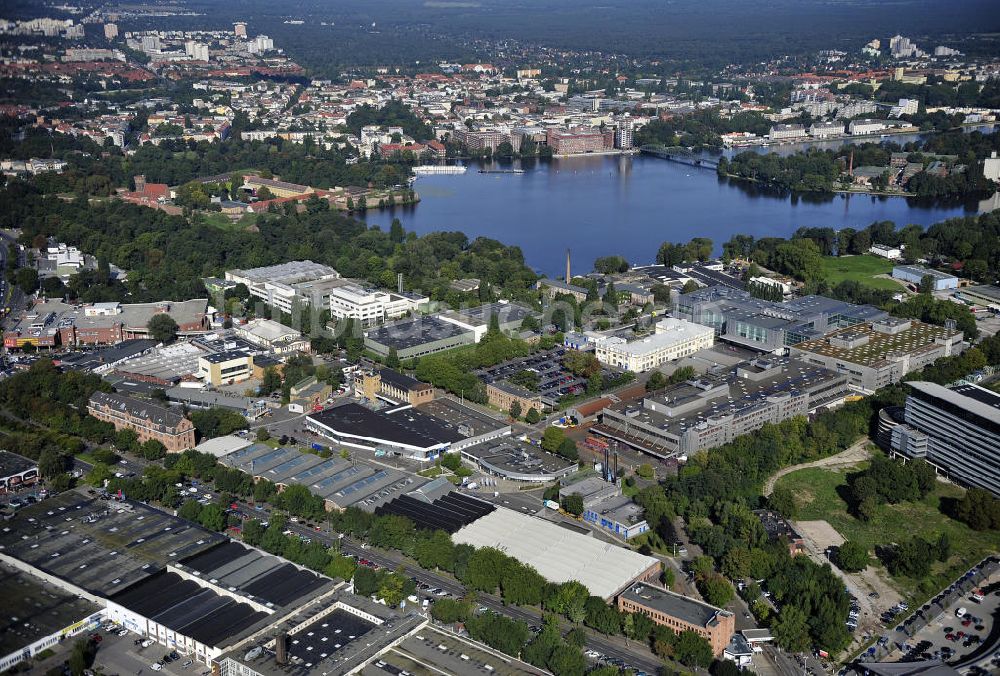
[[715, 408], [74, 561], [560, 554]]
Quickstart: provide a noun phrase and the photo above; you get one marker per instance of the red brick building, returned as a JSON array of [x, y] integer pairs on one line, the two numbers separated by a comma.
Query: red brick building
[[146, 419], [680, 613], [579, 140]]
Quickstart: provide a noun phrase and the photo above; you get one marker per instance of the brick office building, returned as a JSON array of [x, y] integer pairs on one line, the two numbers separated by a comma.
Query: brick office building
[[146, 419], [680, 613]]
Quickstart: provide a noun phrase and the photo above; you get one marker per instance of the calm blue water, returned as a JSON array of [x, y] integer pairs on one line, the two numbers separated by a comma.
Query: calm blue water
[[628, 206]]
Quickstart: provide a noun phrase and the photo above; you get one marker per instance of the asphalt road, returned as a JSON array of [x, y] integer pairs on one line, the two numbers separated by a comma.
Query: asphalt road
[[636, 656]]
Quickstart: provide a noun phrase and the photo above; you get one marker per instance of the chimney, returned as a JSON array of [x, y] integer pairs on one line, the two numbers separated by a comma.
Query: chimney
[[567, 267], [281, 648], [399, 282], [850, 165]]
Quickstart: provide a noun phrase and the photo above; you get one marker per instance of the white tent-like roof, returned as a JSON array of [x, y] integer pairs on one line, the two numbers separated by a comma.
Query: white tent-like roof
[[558, 554]]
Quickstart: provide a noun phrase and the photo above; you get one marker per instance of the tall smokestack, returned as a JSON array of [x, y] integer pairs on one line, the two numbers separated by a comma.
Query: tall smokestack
[[850, 165], [567, 267], [281, 648], [399, 282]]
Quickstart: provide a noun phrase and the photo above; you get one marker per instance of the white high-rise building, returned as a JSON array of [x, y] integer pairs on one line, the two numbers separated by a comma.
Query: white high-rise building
[[260, 44], [623, 132], [196, 51], [240, 29], [110, 31], [150, 43]]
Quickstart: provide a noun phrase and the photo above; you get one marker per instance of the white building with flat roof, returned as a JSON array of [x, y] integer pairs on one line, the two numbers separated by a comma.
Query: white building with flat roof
[[371, 306], [279, 285], [673, 339], [893, 253]]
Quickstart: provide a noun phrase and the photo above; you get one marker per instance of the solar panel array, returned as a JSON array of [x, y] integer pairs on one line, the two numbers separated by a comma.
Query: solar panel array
[[449, 513]]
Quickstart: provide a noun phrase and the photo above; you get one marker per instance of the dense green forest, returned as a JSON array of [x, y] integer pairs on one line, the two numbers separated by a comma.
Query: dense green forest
[[167, 255]]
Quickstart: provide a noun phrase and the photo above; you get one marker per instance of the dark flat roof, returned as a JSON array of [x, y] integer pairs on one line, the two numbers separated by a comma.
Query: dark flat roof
[[327, 635], [681, 607], [267, 578], [402, 425], [414, 332], [191, 610], [448, 513], [12, 463]]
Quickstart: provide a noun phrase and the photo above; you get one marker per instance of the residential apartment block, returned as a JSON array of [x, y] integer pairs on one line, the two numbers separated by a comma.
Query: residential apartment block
[[147, 420]]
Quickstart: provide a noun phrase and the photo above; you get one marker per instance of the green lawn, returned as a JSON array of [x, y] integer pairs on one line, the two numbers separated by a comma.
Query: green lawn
[[815, 491], [859, 269]]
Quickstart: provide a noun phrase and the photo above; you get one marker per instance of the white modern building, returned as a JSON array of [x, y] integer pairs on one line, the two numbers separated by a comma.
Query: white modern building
[[280, 285], [865, 127], [370, 306], [673, 339], [893, 253]]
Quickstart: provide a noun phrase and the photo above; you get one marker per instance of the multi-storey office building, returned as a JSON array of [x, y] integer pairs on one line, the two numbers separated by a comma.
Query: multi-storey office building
[[147, 420], [955, 429], [880, 353], [281, 285], [764, 325], [715, 408]]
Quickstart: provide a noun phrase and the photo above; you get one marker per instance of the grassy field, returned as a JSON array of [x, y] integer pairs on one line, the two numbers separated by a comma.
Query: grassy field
[[817, 497], [859, 269]]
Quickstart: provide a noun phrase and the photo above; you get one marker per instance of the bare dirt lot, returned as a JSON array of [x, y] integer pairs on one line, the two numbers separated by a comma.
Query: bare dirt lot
[[817, 537]]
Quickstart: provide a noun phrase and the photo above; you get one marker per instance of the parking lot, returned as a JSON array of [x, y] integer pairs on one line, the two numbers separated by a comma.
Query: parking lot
[[121, 655], [966, 630], [554, 380]]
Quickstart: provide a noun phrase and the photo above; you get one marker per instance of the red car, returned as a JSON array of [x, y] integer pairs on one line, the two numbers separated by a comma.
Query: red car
[[950, 637]]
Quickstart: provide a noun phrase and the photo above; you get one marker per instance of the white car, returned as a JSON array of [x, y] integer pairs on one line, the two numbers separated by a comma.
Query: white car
[[156, 666], [123, 632]]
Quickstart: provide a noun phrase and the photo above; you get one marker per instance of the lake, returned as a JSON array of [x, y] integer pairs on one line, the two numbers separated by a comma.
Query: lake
[[628, 205]]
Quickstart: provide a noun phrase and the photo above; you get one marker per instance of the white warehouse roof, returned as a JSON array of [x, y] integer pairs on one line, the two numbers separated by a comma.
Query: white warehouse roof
[[220, 446], [558, 554]]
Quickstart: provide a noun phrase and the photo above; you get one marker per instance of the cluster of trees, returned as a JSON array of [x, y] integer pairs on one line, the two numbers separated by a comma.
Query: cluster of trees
[[393, 114], [658, 380], [554, 440], [698, 249], [914, 557], [889, 481], [167, 255], [979, 509], [217, 422], [811, 171], [453, 370]]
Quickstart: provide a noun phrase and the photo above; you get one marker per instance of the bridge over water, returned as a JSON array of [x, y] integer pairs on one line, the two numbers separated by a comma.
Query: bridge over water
[[679, 155]]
